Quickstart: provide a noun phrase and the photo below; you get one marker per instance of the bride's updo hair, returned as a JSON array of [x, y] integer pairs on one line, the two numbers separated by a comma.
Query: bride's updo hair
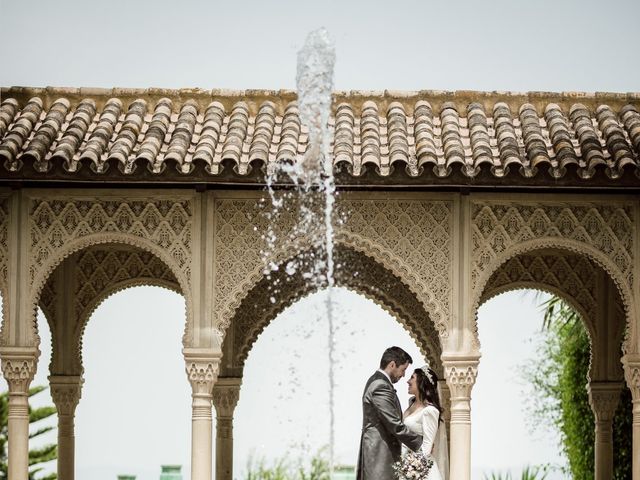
[[428, 388]]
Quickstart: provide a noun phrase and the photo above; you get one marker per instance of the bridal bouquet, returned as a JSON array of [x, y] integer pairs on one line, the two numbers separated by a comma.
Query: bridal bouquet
[[413, 466]]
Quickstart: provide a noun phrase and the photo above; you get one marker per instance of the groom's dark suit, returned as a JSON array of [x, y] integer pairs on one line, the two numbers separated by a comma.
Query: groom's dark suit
[[382, 430]]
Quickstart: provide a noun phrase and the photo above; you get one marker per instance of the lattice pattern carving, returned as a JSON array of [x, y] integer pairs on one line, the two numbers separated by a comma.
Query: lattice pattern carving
[[101, 271], [574, 275], [54, 224], [372, 280], [502, 230], [411, 238]]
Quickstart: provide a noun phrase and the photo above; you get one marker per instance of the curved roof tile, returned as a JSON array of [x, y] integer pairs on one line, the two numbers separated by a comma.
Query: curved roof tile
[[423, 138]]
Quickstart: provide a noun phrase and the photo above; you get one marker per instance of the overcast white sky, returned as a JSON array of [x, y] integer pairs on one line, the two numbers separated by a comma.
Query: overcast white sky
[[135, 410]]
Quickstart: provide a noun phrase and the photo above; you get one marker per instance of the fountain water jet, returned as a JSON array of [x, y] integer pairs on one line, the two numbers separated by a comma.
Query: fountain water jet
[[314, 192]]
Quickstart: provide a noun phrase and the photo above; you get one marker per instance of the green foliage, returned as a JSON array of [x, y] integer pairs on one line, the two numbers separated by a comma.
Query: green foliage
[[528, 473], [317, 468], [36, 456], [560, 399]]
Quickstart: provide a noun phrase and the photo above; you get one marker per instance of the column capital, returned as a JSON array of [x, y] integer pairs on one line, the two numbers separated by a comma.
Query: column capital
[[202, 367], [226, 393], [66, 391], [19, 367], [461, 373], [604, 398], [631, 364]]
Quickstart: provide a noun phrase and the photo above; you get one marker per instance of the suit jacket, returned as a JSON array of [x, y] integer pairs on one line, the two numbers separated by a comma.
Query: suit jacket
[[382, 430]]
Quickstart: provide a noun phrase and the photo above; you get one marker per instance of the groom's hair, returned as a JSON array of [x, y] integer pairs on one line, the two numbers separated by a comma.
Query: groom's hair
[[394, 354]]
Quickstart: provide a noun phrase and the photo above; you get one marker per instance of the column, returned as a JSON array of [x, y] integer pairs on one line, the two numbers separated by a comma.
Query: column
[[604, 398], [461, 375], [202, 368], [226, 393], [631, 364], [66, 391], [19, 367]]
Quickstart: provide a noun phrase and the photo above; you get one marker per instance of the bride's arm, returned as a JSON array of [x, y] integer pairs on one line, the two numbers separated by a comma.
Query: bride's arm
[[430, 418]]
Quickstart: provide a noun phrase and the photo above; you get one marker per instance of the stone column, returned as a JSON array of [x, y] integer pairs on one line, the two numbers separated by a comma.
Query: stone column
[[461, 375], [631, 364], [604, 398], [19, 367], [66, 391], [226, 393], [202, 368]]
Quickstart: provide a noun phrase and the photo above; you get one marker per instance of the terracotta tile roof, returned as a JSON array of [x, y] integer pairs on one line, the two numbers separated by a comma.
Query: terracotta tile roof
[[381, 138]]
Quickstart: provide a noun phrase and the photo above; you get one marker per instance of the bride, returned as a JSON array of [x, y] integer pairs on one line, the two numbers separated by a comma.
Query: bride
[[424, 416]]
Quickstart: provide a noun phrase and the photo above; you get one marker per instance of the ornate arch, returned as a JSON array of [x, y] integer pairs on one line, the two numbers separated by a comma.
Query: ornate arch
[[603, 232], [571, 277], [412, 238], [61, 227], [98, 272], [365, 276]]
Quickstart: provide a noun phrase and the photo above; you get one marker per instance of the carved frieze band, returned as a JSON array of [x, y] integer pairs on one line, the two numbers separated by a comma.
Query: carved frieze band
[[412, 238]]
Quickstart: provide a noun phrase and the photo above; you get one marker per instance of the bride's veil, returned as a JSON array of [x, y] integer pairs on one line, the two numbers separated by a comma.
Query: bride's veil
[[441, 451], [441, 448]]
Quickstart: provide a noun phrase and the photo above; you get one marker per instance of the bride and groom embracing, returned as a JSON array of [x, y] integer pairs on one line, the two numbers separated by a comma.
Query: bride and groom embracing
[[385, 428]]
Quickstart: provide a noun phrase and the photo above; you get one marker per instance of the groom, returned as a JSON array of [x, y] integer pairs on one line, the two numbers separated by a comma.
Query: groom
[[382, 427]]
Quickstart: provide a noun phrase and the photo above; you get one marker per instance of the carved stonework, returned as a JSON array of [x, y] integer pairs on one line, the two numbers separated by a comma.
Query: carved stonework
[[226, 393], [19, 371], [572, 275], [65, 392], [604, 398], [503, 230], [372, 280], [202, 375], [56, 226], [632, 375], [411, 238], [461, 377]]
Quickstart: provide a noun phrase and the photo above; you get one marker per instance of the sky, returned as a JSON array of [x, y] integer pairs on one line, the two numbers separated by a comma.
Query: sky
[[135, 411]]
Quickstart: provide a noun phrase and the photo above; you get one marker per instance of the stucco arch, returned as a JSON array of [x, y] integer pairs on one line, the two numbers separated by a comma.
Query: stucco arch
[[73, 246], [562, 246], [95, 273], [371, 279]]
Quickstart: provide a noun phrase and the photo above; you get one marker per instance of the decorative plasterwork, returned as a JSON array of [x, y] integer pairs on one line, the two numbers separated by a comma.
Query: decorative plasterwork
[[571, 276], [226, 393], [364, 276], [18, 370], [60, 227], [66, 391], [604, 398], [411, 238], [502, 230]]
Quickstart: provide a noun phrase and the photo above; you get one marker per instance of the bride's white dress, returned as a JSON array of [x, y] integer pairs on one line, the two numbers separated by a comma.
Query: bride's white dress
[[425, 422]]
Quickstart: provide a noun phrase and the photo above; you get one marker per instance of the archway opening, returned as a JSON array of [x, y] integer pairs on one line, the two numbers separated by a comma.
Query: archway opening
[[527, 372], [134, 415], [283, 411]]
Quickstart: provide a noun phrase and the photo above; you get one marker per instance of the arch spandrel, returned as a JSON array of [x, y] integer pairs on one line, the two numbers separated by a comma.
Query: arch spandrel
[[60, 225], [411, 237], [603, 232], [365, 277]]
